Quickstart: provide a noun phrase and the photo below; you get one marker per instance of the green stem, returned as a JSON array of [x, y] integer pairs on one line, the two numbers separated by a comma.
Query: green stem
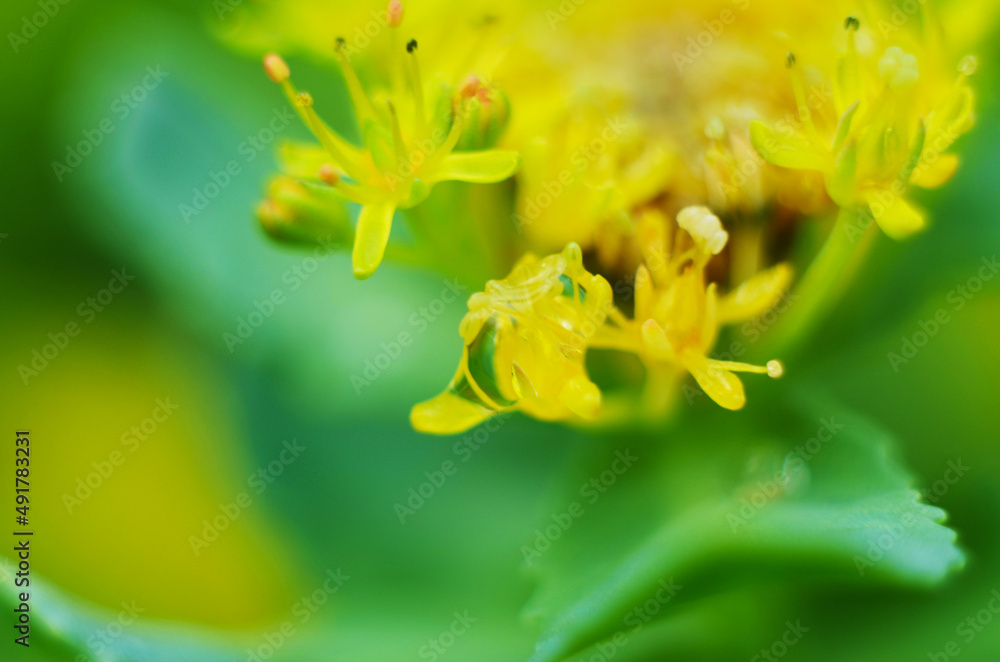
[[822, 285]]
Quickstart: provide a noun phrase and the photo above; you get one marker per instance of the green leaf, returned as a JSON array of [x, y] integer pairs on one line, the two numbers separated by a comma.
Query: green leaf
[[71, 629], [724, 499], [478, 167]]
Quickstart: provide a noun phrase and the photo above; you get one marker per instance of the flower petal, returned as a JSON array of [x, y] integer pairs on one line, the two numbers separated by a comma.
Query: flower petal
[[721, 385], [756, 295], [840, 186], [478, 167], [582, 397], [787, 151], [448, 413], [934, 173], [371, 237], [897, 218]]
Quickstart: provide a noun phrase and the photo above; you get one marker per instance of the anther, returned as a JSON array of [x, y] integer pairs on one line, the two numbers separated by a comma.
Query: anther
[[328, 174], [790, 60], [411, 45], [775, 369], [395, 13], [276, 68], [968, 65], [852, 23], [470, 87], [303, 100]]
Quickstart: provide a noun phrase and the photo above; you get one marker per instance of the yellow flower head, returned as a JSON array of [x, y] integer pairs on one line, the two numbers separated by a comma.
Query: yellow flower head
[[896, 115], [525, 341], [407, 148], [677, 315]]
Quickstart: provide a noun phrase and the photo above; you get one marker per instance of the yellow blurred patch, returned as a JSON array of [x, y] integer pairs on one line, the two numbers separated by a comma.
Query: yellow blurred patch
[[117, 494]]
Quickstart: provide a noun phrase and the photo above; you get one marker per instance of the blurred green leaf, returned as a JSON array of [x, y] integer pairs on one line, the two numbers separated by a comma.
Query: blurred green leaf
[[808, 489]]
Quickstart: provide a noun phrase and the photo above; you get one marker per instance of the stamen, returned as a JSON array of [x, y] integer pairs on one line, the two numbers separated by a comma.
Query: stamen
[[799, 88], [470, 87], [302, 102], [848, 68], [704, 227], [715, 129], [395, 13], [898, 68], [328, 174], [362, 195], [417, 89], [968, 65], [397, 134], [276, 68], [363, 108], [466, 91], [774, 369], [326, 137]]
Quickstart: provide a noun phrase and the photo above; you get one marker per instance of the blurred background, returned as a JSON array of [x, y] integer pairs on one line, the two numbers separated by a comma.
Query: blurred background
[[204, 488]]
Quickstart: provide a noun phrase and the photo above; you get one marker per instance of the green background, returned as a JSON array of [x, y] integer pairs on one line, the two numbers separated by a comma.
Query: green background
[[334, 507]]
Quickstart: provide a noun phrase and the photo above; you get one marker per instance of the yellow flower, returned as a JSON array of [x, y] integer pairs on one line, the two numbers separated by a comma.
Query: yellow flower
[[525, 341], [595, 166], [677, 315], [403, 156], [526, 336], [897, 116]]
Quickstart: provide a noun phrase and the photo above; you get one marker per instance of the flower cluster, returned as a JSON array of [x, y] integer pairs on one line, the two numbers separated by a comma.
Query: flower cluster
[[682, 170], [894, 125], [400, 161], [526, 336]]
